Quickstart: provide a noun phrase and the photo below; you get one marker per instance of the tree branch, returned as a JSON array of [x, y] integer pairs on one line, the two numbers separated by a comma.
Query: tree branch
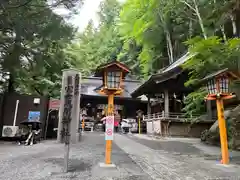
[[192, 8], [38, 91], [18, 6]]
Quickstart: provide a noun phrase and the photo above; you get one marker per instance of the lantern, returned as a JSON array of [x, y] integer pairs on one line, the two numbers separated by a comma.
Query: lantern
[[84, 111], [113, 74], [139, 113], [218, 84], [218, 89], [113, 79]]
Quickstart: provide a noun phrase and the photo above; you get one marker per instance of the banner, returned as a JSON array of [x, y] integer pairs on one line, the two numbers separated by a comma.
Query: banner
[[109, 128]]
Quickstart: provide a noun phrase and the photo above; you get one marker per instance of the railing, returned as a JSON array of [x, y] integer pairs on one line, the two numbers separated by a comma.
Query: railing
[[169, 116]]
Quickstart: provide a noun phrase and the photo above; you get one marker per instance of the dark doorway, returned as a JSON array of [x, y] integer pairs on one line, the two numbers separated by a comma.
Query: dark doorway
[[52, 124]]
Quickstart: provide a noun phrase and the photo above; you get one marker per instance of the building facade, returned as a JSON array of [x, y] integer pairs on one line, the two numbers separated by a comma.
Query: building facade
[[124, 105]]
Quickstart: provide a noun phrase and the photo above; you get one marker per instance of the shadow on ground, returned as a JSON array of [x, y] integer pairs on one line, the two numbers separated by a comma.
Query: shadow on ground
[[75, 165]]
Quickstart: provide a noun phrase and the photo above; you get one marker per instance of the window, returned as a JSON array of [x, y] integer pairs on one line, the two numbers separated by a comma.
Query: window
[[113, 79], [212, 88]]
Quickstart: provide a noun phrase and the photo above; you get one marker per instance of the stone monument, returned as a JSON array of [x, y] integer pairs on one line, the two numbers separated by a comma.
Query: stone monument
[[71, 79]]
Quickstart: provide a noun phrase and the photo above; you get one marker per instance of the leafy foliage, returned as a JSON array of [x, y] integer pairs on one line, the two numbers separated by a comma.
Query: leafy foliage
[[97, 45], [194, 103], [32, 39], [147, 35], [213, 54]]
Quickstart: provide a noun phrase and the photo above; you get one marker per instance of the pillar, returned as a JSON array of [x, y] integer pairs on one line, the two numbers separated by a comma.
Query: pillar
[[166, 103], [74, 124], [149, 114], [148, 106]]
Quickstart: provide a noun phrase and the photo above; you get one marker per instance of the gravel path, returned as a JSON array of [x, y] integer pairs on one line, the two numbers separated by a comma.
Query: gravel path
[[44, 161], [191, 147], [135, 159], [162, 164]]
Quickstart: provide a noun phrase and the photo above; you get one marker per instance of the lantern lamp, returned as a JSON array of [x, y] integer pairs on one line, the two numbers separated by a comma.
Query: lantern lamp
[[218, 84], [84, 111], [218, 89], [139, 113], [113, 74]]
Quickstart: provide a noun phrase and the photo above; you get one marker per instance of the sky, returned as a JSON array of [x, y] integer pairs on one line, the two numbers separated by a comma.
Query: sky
[[86, 13]]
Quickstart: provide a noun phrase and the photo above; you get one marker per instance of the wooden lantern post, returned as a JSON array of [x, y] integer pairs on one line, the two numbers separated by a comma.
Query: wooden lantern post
[[113, 74], [139, 115], [218, 89], [84, 114]]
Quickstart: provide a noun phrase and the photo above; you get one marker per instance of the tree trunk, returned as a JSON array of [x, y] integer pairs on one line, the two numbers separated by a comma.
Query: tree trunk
[[200, 19], [168, 38], [234, 26], [196, 10], [12, 62], [190, 29], [169, 46], [223, 33], [11, 83]]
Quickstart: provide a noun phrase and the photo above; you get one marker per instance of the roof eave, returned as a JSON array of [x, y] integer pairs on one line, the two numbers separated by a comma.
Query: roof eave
[[136, 93]]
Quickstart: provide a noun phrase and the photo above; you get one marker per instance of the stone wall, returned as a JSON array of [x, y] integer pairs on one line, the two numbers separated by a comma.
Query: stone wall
[[176, 128]]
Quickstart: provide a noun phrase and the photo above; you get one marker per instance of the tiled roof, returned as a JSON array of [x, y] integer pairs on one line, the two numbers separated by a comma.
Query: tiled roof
[[179, 62], [90, 84], [167, 73]]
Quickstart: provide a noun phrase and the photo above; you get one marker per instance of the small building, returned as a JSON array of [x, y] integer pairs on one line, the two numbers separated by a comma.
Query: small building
[[15, 108], [165, 92], [96, 103]]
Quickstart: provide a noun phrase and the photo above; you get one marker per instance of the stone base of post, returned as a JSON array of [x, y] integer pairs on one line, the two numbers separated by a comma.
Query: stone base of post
[[103, 165]]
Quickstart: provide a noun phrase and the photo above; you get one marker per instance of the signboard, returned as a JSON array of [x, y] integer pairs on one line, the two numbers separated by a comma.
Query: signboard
[[34, 116], [54, 104], [104, 106], [109, 128]]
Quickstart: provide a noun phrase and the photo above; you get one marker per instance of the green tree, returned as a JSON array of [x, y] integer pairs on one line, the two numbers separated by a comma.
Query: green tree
[[97, 45], [159, 27], [32, 37], [217, 50]]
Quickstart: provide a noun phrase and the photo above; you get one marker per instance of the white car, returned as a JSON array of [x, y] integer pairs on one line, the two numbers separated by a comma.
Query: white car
[[129, 125], [88, 124]]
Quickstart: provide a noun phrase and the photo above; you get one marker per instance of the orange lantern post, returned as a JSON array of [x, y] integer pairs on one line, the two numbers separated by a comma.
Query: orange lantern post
[[113, 74], [84, 115], [218, 89], [139, 116]]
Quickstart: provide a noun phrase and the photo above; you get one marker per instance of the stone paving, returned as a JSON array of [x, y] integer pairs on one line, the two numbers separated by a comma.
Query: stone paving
[[174, 160], [135, 158], [192, 147], [44, 161]]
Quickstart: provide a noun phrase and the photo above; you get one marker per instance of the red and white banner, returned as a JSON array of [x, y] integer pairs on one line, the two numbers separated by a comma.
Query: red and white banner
[[54, 104]]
